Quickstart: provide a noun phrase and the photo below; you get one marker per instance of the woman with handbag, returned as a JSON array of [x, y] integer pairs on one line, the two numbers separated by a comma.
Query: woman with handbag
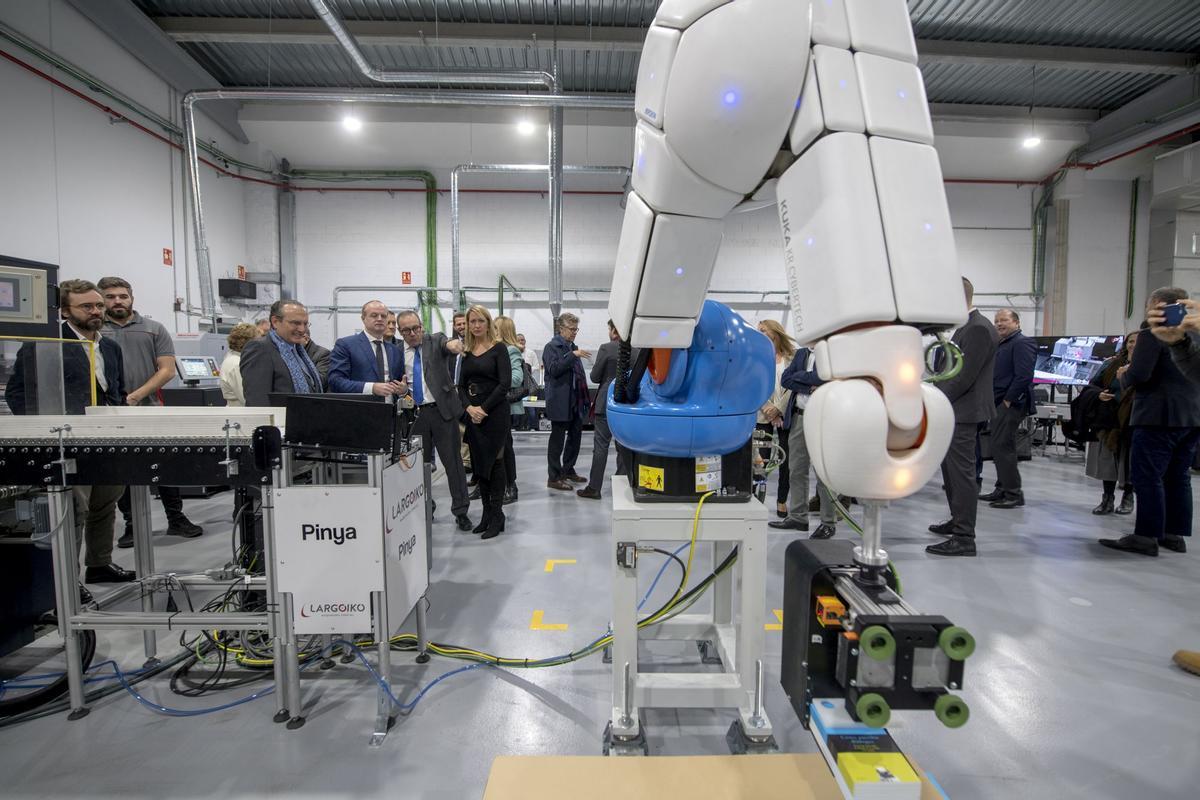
[[1108, 456], [483, 383], [506, 329]]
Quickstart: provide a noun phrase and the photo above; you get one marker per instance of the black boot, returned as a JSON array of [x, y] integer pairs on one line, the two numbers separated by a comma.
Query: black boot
[[1105, 507], [497, 525], [510, 494], [1126, 506]]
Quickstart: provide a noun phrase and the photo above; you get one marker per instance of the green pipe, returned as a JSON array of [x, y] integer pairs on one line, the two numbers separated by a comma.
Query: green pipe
[[1133, 207], [500, 293]]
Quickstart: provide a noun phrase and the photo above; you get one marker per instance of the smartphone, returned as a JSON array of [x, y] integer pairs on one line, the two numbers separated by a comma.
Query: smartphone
[[1174, 314]]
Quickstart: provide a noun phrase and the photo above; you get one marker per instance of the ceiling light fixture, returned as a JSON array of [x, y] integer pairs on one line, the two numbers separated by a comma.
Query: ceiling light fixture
[[1032, 140], [352, 123], [526, 128]]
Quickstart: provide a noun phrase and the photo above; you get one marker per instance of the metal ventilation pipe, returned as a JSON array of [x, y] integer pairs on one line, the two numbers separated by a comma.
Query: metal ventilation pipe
[[407, 77], [555, 233], [208, 301]]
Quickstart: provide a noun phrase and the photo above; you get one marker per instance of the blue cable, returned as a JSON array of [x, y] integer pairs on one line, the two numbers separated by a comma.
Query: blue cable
[[179, 712], [661, 570], [409, 706]]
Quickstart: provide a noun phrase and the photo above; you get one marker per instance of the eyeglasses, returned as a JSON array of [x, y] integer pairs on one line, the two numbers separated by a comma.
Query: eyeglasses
[[416, 329], [89, 306], [571, 328]]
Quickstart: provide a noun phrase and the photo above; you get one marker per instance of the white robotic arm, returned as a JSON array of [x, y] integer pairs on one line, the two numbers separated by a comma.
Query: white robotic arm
[[821, 104]]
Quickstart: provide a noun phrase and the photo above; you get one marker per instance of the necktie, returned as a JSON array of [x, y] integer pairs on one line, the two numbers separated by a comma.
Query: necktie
[[380, 364], [417, 392]]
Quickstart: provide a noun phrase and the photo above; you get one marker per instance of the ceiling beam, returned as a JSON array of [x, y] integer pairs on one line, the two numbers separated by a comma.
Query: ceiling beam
[[579, 37], [130, 28]]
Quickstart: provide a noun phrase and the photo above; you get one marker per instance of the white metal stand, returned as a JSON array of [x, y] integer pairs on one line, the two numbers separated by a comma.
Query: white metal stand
[[738, 639]]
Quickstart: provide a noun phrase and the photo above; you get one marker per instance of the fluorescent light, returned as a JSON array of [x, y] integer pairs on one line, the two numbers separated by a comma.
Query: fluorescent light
[[1031, 142], [526, 128], [352, 123]]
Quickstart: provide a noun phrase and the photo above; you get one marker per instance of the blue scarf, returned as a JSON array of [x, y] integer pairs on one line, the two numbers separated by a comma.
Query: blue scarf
[[305, 378]]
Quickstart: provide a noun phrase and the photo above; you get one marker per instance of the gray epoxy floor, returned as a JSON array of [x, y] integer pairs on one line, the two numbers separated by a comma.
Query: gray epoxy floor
[[1071, 690]]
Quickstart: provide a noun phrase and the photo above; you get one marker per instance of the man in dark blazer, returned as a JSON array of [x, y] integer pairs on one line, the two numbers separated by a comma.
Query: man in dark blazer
[[436, 405], [1166, 428], [604, 372], [366, 363], [278, 362], [1012, 389], [970, 392], [82, 310], [320, 358], [566, 403]]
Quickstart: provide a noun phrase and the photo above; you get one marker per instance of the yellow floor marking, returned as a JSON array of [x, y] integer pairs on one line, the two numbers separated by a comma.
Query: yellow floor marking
[[551, 563], [771, 626], [536, 623]]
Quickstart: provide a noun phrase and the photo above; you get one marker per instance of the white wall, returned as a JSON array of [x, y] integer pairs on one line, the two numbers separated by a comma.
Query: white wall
[[99, 198]]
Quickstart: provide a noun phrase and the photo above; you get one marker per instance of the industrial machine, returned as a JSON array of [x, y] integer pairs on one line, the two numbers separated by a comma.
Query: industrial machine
[[871, 267]]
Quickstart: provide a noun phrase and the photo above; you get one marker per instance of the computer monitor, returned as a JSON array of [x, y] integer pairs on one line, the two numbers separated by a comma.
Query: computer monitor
[[281, 398], [192, 369], [1072, 360]]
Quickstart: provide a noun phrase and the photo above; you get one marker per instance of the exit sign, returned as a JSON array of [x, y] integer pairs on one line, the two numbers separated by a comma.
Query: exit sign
[[406, 278], [168, 257]]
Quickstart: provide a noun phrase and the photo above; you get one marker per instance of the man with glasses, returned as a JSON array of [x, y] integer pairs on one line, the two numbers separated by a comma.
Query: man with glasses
[[82, 310], [436, 404], [567, 403], [278, 361]]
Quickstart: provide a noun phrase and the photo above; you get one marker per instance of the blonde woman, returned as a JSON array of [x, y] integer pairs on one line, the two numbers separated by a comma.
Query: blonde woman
[[231, 366], [771, 417], [506, 331], [483, 383]]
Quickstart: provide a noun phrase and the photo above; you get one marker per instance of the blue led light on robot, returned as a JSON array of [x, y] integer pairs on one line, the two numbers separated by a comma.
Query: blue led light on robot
[[679, 270], [730, 98], [810, 241], [842, 83], [928, 227], [903, 95]]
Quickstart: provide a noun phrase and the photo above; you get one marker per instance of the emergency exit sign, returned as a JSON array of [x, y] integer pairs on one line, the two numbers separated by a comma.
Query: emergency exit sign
[[406, 278], [168, 258]]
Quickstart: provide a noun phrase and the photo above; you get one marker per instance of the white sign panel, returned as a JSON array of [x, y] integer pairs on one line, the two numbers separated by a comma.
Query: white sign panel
[[405, 536], [329, 555]]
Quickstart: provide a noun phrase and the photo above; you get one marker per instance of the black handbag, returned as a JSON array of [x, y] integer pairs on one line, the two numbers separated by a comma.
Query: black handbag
[[527, 388]]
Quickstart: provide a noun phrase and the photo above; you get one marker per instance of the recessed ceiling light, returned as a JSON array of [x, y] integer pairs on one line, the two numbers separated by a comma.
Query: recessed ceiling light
[[1031, 142], [526, 128], [352, 123]]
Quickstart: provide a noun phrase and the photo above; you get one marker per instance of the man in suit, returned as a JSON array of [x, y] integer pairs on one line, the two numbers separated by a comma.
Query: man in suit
[[278, 362], [801, 381], [1012, 389], [437, 407], [1166, 428], [366, 363], [970, 392], [604, 372], [566, 403], [82, 310]]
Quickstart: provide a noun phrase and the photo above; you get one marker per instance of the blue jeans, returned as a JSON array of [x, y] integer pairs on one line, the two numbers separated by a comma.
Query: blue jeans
[[1159, 465]]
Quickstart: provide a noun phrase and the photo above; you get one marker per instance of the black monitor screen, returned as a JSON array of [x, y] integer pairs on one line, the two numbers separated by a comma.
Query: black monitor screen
[[1072, 360]]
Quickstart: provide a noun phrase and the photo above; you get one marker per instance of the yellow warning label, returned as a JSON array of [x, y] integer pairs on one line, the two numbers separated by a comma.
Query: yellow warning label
[[651, 478]]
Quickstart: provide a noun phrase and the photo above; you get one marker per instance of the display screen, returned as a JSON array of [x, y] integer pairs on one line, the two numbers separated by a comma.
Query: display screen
[[10, 294], [1072, 360], [197, 367]]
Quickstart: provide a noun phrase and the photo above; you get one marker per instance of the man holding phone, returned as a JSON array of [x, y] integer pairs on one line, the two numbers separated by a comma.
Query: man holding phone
[[366, 362], [1166, 428]]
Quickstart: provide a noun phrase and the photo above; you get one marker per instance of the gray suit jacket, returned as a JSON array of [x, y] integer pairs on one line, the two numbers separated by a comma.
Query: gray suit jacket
[[970, 391], [320, 359], [263, 371], [604, 372], [435, 376]]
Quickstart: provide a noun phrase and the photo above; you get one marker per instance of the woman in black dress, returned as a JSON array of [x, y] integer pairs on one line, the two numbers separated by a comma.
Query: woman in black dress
[[483, 384]]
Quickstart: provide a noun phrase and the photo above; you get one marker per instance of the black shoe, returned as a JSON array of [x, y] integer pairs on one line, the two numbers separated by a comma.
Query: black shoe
[[788, 524], [182, 526], [1133, 544], [474, 495], [559, 484], [1126, 506], [589, 493], [126, 540], [992, 496], [484, 521], [1177, 544], [463, 522], [495, 529], [823, 531], [781, 514], [510, 494], [575, 478], [1011, 501], [433, 506], [85, 597], [954, 546], [474, 480], [109, 573], [943, 528], [1105, 507]]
